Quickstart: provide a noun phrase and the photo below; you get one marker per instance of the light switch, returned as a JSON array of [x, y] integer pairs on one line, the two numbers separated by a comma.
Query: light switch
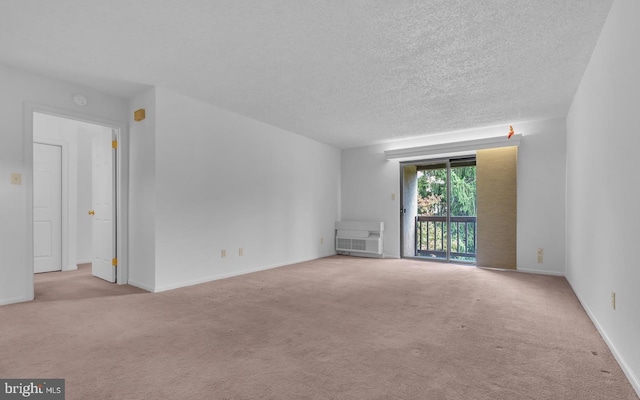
[[393, 196], [16, 179]]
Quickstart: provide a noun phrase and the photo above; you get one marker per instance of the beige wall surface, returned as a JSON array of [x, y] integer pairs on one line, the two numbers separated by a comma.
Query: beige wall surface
[[497, 207]]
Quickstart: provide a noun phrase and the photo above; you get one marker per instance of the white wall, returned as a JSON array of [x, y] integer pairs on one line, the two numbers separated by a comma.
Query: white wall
[[602, 180], [18, 87], [369, 180], [541, 196], [142, 192], [222, 181]]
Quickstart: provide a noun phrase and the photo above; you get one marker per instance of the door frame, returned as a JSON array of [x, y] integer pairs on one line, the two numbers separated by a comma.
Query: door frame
[[64, 145], [121, 177]]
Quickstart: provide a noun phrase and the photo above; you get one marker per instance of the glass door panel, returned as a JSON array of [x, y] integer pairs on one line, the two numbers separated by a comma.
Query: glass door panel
[[431, 220], [462, 218]]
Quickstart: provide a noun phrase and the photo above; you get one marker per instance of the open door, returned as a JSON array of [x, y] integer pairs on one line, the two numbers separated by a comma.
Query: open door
[[103, 195]]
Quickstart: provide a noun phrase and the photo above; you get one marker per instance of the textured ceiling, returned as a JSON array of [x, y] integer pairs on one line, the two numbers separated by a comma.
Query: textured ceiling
[[347, 73]]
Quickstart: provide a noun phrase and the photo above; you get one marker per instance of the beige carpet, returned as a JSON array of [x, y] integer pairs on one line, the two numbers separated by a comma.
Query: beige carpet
[[335, 328]]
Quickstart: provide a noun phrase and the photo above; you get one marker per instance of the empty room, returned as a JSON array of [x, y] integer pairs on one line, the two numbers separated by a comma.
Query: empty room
[[319, 200]]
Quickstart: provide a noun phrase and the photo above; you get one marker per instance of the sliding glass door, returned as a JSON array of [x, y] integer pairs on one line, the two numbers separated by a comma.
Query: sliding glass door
[[439, 210]]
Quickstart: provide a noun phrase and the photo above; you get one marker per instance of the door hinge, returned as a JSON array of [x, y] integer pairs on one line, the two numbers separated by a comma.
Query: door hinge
[[114, 144], [114, 262]]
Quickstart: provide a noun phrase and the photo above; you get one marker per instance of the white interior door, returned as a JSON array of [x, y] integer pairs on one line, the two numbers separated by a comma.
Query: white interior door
[[47, 208], [103, 225]]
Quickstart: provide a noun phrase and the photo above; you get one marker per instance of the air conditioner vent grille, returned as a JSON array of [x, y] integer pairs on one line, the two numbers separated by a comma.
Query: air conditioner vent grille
[[344, 243]]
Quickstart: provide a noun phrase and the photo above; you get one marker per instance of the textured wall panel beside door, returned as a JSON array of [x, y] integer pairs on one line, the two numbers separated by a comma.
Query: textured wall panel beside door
[[497, 207]]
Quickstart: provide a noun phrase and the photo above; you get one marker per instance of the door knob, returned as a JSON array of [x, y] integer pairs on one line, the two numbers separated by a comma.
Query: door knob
[[92, 212]]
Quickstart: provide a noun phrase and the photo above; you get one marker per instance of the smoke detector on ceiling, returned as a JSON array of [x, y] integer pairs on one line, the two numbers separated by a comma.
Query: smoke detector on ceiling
[[80, 100]]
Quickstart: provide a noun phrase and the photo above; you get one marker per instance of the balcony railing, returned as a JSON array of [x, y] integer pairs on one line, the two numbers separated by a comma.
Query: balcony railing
[[431, 237]]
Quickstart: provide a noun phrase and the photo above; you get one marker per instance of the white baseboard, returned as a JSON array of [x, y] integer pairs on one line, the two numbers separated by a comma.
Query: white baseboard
[[633, 379], [540, 272], [226, 275], [141, 286], [14, 300], [359, 254]]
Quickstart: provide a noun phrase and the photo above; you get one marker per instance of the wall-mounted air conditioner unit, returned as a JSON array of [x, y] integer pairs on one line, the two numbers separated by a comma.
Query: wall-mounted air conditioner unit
[[359, 238]]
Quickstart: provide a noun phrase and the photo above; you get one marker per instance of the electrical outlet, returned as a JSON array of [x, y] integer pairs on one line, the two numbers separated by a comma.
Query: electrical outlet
[[16, 179], [223, 253], [540, 255], [613, 300], [240, 251]]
